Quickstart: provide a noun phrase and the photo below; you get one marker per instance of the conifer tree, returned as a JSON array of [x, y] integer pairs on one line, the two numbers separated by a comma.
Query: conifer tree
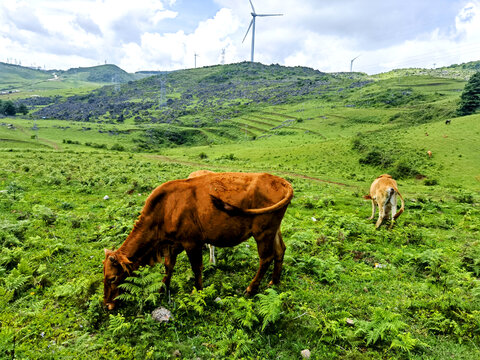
[[470, 98]]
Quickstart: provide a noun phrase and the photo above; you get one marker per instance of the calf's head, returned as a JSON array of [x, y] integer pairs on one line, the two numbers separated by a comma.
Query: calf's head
[[116, 267]]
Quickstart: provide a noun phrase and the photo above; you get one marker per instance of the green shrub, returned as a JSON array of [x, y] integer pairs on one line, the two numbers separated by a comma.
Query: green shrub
[[117, 147], [471, 258], [230, 157], [376, 158], [403, 168], [465, 197], [430, 182]]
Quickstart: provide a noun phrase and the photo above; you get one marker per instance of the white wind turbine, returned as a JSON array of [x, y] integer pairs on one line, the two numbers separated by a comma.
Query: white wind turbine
[[252, 25]]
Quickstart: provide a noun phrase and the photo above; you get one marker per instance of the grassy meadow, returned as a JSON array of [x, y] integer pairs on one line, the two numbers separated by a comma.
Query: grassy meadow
[[347, 291]]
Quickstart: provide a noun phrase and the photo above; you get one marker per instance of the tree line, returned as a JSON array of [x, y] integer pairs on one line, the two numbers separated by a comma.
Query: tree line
[[9, 108]]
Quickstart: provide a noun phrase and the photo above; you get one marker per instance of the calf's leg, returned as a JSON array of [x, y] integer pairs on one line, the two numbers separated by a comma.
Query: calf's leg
[[373, 210], [393, 209], [212, 254], [381, 215]]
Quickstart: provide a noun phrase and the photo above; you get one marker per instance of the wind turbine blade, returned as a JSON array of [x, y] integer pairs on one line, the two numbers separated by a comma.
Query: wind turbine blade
[[252, 6], [251, 22], [269, 14]]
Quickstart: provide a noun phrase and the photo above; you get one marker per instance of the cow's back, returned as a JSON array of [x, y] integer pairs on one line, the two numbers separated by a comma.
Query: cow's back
[[246, 190], [240, 190]]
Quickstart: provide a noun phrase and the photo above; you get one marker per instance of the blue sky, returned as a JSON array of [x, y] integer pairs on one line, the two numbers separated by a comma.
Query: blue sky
[[165, 34], [190, 13]]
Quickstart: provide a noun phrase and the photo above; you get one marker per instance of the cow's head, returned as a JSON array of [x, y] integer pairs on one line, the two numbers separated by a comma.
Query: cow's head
[[116, 267]]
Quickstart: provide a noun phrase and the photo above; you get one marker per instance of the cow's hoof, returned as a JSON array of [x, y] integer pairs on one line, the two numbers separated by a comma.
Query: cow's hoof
[[249, 291]]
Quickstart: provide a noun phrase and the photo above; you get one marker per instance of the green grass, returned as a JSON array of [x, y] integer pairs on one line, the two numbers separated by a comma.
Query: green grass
[[347, 291]]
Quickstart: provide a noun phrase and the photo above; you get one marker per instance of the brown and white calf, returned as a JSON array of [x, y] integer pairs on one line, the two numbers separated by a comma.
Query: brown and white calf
[[383, 193]]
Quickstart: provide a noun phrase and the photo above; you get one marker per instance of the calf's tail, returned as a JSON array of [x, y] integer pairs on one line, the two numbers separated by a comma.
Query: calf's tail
[[401, 208]]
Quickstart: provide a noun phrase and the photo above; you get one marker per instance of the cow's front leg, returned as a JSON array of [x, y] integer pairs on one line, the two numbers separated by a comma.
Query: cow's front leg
[[170, 258], [196, 261]]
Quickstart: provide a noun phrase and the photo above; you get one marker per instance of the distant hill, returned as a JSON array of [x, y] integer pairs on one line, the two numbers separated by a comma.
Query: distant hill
[[472, 65], [17, 77], [456, 71], [107, 73], [212, 93]]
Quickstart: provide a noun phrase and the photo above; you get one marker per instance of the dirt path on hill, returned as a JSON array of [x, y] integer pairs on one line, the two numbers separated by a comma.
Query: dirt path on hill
[[49, 142], [289, 173]]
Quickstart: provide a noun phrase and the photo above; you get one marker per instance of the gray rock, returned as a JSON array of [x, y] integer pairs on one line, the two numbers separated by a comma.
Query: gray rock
[[162, 315]]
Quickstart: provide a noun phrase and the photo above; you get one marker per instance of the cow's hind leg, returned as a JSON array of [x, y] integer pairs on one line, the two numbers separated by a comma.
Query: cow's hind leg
[[393, 209], [196, 261], [266, 252], [373, 210], [279, 249], [381, 216]]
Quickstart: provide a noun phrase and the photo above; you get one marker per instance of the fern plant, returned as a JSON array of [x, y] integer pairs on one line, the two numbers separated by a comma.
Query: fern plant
[[242, 311], [118, 326], [385, 326], [270, 306], [196, 301], [16, 281], [404, 342], [142, 288], [5, 297], [236, 344], [326, 271]]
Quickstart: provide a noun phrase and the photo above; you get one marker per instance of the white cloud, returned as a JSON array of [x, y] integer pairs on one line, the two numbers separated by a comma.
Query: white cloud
[[176, 50], [322, 35]]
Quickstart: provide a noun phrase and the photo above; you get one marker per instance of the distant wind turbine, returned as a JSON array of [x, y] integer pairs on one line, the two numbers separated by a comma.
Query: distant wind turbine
[[252, 25], [195, 56], [351, 63]]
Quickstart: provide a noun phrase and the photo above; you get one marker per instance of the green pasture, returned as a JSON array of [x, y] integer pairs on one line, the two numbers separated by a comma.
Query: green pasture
[[347, 291]]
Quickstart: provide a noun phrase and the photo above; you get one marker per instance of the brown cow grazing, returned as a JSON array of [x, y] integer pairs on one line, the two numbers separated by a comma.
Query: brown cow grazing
[[222, 209], [210, 247], [429, 153], [383, 192]]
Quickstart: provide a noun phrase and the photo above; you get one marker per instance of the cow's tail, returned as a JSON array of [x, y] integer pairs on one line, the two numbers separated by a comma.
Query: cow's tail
[[234, 210], [367, 197], [399, 212]]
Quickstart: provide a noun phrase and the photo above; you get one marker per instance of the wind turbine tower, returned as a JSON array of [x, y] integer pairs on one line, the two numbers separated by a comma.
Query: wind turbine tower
[[252, 25], [195, 56], [351, 63]]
